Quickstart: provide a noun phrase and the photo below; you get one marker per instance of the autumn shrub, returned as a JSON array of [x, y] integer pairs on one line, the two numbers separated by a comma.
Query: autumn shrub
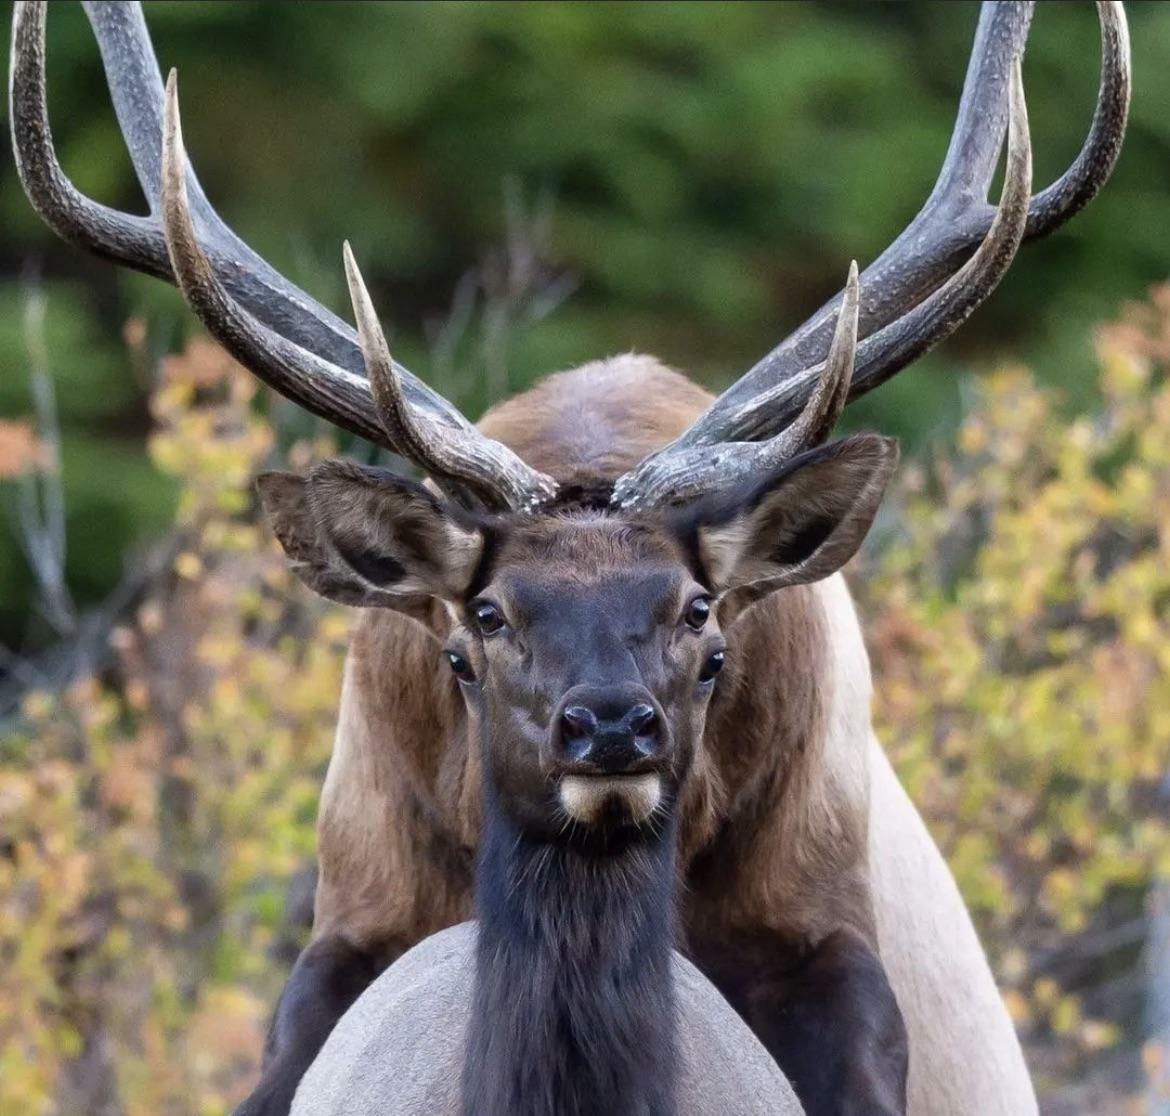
[[1019, 621], [152, 816], [154, 813]]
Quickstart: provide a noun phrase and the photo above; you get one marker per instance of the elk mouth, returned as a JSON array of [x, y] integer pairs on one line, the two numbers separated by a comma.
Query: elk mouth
[[611, 800]]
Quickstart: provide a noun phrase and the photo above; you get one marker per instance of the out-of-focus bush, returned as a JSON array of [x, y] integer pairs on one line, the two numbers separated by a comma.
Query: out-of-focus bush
[[1020, 629], [153, 817]]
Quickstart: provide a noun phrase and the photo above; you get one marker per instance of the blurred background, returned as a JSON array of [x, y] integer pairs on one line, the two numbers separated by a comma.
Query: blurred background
[[528, 186]]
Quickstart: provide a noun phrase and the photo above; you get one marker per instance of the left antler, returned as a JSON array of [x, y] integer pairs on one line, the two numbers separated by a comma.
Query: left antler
[[270, 325]]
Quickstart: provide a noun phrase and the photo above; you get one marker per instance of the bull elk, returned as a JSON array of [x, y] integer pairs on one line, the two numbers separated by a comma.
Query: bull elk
[[617, 604]]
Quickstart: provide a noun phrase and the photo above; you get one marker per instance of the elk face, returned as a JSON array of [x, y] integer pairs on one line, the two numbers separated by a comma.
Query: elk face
[[586, 644], [588, 657]]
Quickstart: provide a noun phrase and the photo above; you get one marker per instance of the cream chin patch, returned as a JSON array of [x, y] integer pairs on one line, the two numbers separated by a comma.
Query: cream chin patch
[[584, 796]]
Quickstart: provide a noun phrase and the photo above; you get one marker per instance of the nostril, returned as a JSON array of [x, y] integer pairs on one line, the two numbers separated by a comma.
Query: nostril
[[641, 719], [579, 722], [608, 732]]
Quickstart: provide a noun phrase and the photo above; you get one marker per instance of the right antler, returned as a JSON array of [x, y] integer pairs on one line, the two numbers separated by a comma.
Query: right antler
[[271, 326], [919, 289]]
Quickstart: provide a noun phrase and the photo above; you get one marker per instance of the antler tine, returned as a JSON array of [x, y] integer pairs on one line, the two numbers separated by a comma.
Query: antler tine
[[891, 349], [815, 423], [486, 467], [898, 344], [676, 478], [677, 474], [68, 212], [831, 389], [393, 411], [1094, 163], [324, 389], [949, 227]]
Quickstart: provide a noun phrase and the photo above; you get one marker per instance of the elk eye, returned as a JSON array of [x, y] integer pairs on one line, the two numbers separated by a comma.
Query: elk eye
[[488, 618], [460, 666], [697, 612], [712, 666]]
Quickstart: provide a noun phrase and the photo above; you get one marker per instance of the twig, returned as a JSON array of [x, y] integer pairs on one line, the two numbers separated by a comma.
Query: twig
[[510, 290], [41, 497]]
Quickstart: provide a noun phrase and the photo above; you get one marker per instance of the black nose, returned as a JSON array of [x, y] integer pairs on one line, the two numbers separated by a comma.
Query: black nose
[[610, 731]]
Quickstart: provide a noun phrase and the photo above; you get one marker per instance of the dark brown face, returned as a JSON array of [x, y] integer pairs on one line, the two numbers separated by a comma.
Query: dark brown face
[[588, 657], [587, 645]]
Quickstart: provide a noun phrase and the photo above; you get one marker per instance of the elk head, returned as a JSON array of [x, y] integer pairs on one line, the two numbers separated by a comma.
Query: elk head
[[586, 641], [586, 644]]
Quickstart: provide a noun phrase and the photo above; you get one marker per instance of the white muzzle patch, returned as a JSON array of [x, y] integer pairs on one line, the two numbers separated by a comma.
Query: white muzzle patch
[[585, 797]]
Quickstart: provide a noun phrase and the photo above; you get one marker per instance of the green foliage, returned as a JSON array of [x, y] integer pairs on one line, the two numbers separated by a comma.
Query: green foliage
[[713, 168]]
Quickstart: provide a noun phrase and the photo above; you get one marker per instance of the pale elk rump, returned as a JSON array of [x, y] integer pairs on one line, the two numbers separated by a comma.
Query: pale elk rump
[[398, 1051], [965, 1057]]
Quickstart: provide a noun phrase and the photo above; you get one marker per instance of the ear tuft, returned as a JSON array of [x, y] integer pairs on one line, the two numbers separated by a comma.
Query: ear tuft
[[284, 500], [391, 532], [367, 537], [801, 524]]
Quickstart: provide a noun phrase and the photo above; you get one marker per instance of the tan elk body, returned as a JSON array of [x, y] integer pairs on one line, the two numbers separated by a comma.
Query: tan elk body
[[837, 810], [650, 653]]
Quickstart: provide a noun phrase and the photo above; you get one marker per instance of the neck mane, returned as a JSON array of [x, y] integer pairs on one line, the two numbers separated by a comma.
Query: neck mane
[[573, 1010]]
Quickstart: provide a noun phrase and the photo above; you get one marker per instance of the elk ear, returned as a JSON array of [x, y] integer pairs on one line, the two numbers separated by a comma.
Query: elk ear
[[366, 536], [800, 525]]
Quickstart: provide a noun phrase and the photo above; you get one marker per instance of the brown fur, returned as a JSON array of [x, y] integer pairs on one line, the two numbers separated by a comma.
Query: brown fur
[[793, 859], [598, 420], [394, 833]]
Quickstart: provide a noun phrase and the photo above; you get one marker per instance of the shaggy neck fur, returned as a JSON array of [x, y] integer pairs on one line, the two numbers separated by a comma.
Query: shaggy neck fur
[[573, 1012]]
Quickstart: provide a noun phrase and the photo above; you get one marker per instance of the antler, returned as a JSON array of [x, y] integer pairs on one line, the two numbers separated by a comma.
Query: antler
[[919, 290], [271, 326], [455, 459]]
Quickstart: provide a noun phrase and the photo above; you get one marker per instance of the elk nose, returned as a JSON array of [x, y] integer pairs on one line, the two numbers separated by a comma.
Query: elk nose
[[609, 733]]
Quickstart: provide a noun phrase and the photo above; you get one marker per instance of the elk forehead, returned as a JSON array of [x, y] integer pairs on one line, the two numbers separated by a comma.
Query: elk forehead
[[589, 540], [584, 593], [630, 599], [553, 556]]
